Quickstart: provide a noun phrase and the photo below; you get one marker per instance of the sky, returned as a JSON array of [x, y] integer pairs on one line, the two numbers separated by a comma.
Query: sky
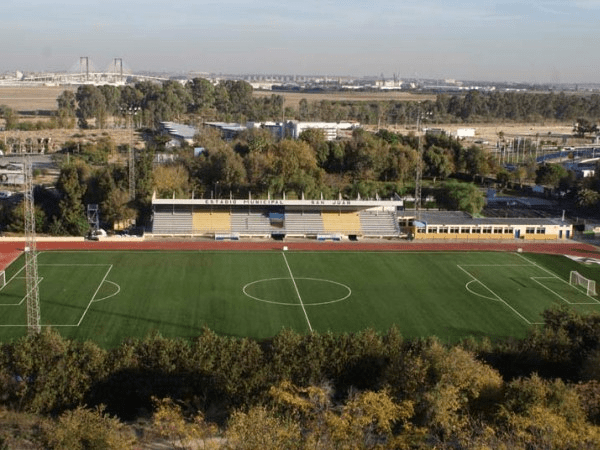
[[539, 41]]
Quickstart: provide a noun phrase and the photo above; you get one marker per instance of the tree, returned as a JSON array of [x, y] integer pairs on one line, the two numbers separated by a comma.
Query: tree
[[203, 94], [91, 105], [365, 421], [546, 414], [16, 218], [583, 126], [587, 198], [72, 183], [116, 207], [458, 382], [438, 162], [503, 177], [550, 174], [454, 195], [225, 167], [85, 429], [303, 109], [366, 155], [10, 117], [260, 429], [294, 167], [46, 373], [316, 139], [168, 421], [67, 108], [476, 162], [171, 179]]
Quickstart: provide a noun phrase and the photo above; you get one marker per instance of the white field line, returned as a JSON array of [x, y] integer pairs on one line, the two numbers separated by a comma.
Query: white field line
[[561, 279], [555, 293], [14, 276], [496, 265], [477, 293], [86, 309], [297, 292], [95, 293], [78, 265], [111, 295], [498, 297], [40, 279]]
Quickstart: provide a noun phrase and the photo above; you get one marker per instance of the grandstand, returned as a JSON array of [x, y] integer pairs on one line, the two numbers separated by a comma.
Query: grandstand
[[211, 222], [346, 222], [235, 218], [172, 220], [373, 223], [338, 219]]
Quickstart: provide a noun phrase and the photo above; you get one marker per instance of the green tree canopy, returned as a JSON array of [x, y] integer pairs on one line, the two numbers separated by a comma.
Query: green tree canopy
[[550, 174], [455, 195]]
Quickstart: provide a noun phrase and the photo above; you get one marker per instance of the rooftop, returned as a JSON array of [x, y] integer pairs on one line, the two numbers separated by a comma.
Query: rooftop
[[462, 218]]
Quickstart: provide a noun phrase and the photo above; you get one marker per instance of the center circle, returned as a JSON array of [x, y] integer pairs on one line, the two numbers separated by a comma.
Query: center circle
[[331, 289]]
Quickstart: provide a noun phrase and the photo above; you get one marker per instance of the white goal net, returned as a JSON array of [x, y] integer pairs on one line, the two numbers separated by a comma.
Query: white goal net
[[576, 279]]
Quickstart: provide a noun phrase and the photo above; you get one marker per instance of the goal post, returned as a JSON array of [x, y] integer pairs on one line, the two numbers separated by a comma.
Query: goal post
[[2, 279], [576, 279]]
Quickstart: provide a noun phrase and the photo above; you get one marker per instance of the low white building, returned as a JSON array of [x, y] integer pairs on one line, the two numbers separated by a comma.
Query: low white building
[[332, 130], [465, 132]]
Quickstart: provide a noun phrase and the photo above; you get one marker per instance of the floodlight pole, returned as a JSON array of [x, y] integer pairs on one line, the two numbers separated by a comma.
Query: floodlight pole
[[419, 172], [32, 294], [131, 111]]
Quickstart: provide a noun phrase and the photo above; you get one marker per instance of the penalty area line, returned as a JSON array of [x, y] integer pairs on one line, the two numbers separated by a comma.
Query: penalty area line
[[497, 296], [297, 292]]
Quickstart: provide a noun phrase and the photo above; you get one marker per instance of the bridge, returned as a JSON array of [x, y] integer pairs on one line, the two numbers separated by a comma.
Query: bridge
[[80, 73]]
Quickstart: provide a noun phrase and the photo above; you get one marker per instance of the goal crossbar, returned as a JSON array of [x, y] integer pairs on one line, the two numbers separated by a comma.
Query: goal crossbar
[[576, 279]]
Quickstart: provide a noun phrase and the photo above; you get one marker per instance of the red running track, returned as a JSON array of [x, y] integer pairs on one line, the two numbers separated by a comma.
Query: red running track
[[9, 251]]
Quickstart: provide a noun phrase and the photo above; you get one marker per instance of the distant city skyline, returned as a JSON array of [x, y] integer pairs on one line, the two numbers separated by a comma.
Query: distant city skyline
[[540, 41]]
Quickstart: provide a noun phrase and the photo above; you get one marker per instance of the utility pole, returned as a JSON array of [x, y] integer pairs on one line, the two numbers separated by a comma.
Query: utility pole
[[419, 172], [32, 294]]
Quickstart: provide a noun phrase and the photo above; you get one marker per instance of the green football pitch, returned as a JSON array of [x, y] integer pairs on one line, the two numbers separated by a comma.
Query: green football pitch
[[107, 296]]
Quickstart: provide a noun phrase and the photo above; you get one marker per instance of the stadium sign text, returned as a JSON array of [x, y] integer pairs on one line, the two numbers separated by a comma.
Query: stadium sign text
[[282, 202]]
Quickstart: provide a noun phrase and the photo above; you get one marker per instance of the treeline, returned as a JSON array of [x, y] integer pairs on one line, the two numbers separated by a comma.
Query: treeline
[[472, 107], [150, 103], [200, 100], [321, 391]]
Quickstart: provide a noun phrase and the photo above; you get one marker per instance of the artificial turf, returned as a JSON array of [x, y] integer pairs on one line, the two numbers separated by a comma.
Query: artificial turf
[[108, 296]]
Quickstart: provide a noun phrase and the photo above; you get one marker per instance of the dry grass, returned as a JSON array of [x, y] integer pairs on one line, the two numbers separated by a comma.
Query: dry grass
[[292, 99], [42, 98], [490, 132], [60, 136]]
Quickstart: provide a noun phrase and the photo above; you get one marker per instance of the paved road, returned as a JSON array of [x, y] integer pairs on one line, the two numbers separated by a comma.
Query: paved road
[[37, 161]]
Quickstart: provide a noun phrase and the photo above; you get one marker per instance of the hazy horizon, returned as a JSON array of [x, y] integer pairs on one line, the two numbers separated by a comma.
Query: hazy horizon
[[541, 41]]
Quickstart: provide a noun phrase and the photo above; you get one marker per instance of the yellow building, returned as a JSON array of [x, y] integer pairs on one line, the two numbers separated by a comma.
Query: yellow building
[[457, 225]]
